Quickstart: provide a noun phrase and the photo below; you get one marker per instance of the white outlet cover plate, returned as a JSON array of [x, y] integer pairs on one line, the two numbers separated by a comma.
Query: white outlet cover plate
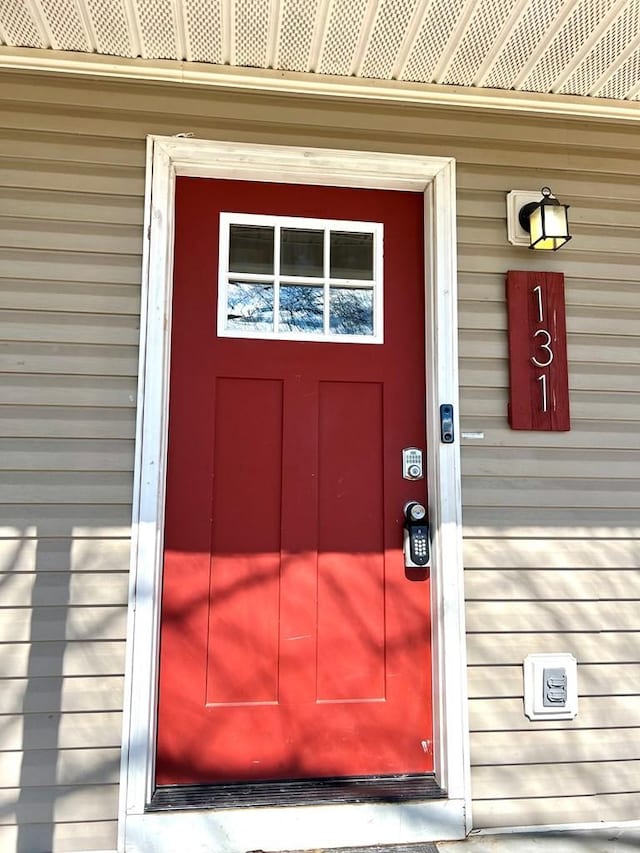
[[534, 665]]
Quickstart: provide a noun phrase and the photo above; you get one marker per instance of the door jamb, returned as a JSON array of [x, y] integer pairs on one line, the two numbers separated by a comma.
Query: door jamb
[[168, 157]]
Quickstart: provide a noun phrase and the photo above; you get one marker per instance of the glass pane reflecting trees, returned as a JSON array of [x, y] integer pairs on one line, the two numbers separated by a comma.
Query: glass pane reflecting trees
[[288, 276]]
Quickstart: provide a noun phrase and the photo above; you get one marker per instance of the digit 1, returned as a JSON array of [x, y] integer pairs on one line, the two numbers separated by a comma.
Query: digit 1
[[542, 379], [538, 292]]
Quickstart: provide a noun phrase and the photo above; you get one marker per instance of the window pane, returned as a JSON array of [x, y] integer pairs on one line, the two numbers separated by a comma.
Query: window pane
[[250, 306], [301, 252], [351, 255], [351, 311], [251, 249], [301, 308]]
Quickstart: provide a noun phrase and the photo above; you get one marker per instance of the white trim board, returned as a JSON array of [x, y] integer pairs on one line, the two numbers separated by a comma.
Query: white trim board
[[234, 830], [289, 82]]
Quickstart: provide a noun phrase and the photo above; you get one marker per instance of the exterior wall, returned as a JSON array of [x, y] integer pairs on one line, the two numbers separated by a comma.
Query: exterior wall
[[551, 520]]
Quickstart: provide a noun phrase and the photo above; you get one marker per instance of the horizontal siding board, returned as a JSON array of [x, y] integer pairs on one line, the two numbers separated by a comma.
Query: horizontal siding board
[[593, 377], [72, 767], [555, 779], [594, 712], [48, 624], [86, 178], [72, 837], [72, 359], [70, 266], [561, 583], [87, 520], [71, 147], [71, 206], [615, 350], [59, 803], [553, 616], [43, 588], [36, 234], [66, 487], [556, 553], [66, 422], [481, 460], [61, 731], [478, 152], [19, 660], [59, 694], [619, 322], [59, 327], [491, 647], [550, 810], [37, 454], [97, 565], [71, 297], [486, 682], [536, 747], [566, 183], [94, 123], [565, 522], [31, 389], [551, 492], [584, 434]]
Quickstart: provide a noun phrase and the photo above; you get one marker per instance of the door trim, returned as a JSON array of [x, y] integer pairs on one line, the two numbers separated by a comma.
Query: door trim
[[305, 826]]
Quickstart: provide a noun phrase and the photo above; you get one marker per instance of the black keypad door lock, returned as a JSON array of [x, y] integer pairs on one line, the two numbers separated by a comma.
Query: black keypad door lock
[[416, 548]]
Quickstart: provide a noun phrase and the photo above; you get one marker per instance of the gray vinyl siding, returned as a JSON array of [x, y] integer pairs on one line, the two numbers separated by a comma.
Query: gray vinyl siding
[[551, 520]]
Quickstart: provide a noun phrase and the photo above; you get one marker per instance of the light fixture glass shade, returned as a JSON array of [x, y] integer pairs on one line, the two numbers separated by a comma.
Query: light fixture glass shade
[[549, 223]]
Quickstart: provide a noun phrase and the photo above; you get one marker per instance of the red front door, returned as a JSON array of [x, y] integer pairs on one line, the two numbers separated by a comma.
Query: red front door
[[294, 643]]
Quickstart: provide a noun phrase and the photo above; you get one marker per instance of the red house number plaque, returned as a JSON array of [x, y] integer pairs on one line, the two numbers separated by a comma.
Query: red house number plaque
[[538, 375]]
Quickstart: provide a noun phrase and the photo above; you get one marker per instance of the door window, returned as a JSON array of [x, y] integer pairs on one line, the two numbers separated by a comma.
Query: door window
[[302, 279]]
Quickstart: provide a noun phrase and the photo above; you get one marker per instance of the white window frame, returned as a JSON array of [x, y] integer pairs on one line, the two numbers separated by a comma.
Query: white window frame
[[376, 284], [304, 827]]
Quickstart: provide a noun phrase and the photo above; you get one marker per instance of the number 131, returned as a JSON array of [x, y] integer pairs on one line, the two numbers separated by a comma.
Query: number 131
[[545, 346]]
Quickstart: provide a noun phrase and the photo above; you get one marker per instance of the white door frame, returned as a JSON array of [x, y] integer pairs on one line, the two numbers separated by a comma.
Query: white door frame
[[305, 827]]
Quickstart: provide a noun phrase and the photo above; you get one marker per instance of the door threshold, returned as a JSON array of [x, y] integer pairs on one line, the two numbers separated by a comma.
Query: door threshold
[[299, 792]]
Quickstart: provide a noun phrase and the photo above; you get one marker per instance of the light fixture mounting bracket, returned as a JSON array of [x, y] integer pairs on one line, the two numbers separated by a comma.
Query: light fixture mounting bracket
[[516, 201]]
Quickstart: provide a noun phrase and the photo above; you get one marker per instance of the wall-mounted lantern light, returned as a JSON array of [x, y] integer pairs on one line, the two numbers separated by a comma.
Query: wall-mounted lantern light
[[540, 224]]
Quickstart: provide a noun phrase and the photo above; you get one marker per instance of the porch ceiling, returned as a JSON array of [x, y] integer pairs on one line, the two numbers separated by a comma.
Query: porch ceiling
[[589, 48]]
